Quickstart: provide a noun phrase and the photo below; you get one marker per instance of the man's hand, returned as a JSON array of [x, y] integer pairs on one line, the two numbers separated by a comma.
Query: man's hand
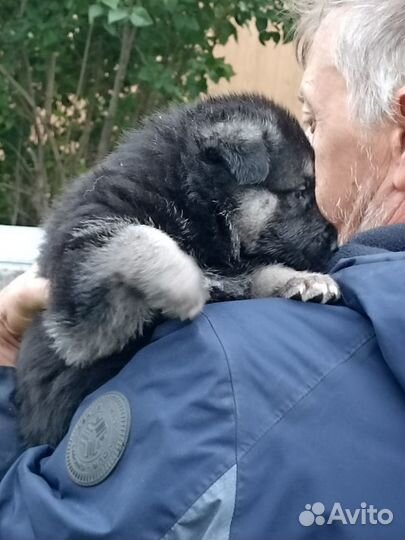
[[20, 301]]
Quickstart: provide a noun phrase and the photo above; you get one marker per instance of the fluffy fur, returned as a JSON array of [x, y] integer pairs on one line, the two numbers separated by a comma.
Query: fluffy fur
[[206, 202]]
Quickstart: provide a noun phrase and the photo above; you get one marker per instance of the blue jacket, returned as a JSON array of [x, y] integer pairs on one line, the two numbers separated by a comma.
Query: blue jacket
[[261, 420]]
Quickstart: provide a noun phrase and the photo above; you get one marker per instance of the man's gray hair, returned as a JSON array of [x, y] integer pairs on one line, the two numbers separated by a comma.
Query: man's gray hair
[[370, 50]]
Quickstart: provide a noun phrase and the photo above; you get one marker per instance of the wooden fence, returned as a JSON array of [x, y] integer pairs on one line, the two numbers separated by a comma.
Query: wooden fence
[[271, 70]]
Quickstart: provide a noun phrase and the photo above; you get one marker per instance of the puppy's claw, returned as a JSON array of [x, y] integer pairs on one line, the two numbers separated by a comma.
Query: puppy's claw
[[311, 288], [296, 292]]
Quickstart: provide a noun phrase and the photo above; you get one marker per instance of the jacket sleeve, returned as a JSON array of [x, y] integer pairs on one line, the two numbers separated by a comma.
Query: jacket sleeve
[[177, 391], [10, 447]]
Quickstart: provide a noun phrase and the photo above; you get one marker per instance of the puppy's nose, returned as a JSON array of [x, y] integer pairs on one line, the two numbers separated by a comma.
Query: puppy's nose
[[334, 246], [329, 235]]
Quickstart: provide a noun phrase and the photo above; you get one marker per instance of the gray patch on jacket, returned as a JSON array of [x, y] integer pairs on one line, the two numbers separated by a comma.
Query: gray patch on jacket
[[210, 517]]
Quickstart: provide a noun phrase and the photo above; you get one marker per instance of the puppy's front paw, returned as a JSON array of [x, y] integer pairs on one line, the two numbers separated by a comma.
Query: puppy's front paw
[[179, 291], [185, 296], [311, 288]]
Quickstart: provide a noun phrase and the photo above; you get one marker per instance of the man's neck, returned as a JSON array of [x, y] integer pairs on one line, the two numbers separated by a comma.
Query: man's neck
[[385, 208]]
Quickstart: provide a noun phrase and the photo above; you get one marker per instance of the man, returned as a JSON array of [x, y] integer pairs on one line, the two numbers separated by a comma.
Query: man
[[19, 302], [353, 96], [271, 418]]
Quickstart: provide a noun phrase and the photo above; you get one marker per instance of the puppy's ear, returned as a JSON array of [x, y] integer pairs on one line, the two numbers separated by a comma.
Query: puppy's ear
[[240, 150]]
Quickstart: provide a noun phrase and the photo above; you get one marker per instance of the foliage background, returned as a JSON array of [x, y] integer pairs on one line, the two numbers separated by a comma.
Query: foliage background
[[75, 73]]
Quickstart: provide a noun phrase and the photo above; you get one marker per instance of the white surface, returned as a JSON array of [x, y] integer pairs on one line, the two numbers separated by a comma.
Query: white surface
[[18, 250], [19, 245]]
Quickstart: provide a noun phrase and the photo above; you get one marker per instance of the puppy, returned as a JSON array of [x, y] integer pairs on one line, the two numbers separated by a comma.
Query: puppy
[[206, 202]]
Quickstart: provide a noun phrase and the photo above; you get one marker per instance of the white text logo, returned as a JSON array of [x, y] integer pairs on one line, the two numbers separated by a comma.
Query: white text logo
[[367, 514]]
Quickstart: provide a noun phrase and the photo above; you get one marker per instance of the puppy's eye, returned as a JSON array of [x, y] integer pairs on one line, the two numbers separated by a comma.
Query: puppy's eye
[[300, 194], [309, 124], [213, 155]]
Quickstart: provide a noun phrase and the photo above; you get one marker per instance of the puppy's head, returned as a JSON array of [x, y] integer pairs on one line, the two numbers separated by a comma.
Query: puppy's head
[[249, 159]]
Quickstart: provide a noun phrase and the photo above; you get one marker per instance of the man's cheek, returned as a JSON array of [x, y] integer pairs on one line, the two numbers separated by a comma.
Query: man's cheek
[[321, 200], [325, 173], [310, 136], [325, 191]]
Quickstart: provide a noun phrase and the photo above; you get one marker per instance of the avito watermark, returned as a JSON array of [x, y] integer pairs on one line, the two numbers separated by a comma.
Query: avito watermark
[[367, 514]]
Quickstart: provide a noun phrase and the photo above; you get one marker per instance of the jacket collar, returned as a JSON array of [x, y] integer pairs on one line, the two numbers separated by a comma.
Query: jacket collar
[[383, 239]]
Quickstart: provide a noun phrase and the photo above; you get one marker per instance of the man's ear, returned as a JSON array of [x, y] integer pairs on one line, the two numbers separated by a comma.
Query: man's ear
[[398, 142], [240, 148]]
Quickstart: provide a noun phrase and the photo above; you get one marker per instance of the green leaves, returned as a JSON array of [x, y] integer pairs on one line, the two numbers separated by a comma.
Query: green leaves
[[95, 11], [265, 36], [115, 15], [113, 4], [261, 24], [171, 5], [224, 30], [140, 17], [174, 59]]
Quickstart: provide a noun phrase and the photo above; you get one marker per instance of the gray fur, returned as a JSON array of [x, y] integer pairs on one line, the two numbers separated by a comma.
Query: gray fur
[[284, 282], [157, 276], [256, 208], [210, 201], [234, 131]]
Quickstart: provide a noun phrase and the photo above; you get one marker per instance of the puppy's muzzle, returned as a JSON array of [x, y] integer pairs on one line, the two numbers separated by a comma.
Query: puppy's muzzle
[[323, 246], [329, 238]]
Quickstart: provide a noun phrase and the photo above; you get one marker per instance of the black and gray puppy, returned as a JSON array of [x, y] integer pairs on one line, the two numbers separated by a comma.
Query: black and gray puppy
[[206, 202]]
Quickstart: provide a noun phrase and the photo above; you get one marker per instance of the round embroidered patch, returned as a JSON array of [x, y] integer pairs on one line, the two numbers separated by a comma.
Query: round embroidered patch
[[98, 439]]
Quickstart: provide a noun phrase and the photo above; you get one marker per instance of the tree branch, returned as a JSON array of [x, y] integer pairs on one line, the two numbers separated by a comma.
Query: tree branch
[[49, 95], [85, 60], [17, 86], [128, 37]]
